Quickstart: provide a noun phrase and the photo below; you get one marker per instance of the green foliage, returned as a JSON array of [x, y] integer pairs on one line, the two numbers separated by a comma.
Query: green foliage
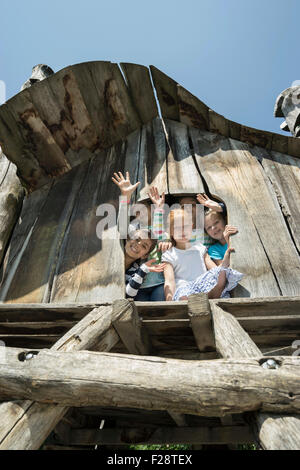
[[161, 447]]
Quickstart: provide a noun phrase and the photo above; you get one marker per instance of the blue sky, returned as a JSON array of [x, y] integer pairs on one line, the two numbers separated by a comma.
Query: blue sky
[[235, 55]]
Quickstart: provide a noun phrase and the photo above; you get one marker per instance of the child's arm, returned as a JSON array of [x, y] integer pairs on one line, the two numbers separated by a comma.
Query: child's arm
[[137, 279], [126, 189], [164, 243], [170, 285], [210, 204]]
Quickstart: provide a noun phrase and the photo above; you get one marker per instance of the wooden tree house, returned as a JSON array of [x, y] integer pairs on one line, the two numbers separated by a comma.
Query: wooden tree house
[[77, 353]]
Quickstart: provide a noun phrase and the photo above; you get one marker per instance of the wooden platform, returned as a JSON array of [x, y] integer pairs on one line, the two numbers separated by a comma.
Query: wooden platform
[[168, 330]]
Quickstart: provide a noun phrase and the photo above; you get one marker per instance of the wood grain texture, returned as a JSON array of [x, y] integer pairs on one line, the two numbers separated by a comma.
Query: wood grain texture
[[152, 162], [251, 202], [141, 91], [33, 276], [205, 388], [284, 174], [11, 197], [183, 177], [166, 89], [274, 432], [19, 419], [83, 273]]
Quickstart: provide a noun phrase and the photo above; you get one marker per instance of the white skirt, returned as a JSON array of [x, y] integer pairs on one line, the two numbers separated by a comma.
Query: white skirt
[[207, 281]]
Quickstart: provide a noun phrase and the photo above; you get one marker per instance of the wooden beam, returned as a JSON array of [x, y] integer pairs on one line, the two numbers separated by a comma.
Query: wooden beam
[[17, 420], [204, 388], [231, 339], [274, 432], [201, 321], [130, 329], [164, 435]]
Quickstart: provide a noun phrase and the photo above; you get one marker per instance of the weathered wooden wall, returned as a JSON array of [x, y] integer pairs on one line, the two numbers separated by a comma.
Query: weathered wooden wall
[[11, 196], [69, 133]]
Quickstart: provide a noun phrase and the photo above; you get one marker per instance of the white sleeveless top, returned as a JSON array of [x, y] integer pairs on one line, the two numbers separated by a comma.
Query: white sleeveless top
[[188, 264]]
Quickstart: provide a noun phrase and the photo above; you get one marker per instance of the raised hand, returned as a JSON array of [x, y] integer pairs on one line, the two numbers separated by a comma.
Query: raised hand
[[164, 246], [126, 187], [156, 199], [205, 201], [226, 260], [155, 268], [229, 230]]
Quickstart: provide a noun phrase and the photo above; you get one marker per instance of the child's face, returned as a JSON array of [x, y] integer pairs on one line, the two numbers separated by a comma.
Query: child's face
[[138, 247], [182, 230], [214, 225], [191, 202]]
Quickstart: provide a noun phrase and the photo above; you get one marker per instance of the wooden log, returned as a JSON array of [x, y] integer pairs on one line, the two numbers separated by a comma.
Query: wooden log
[[231, 339], [12, 194], [274, 432], [205, 388], [164, 435], [129, 328], [19, 419], [201, 322]]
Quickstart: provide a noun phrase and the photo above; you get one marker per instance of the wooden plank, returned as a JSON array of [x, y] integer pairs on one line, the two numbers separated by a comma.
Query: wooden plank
[[284, 174], [45, 312], [61, 107], [15, 150], [183, 176], [201, 322], [31, 209], [167, 310], [236, 343], [217, 123], [130, 328], [141, 91], [83, 273], [192, 111], [81, 378], [164, 435], [231, 175], [152, 164], [33, 276], [12, 194], [37, 137], [171, 327], [116, 112], [166, 89], [263, 205], [19, 419], [29, 328], [231, 340], [260, 306]]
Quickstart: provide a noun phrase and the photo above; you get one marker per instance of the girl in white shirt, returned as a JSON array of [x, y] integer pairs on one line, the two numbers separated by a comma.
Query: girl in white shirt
[[189, 269]]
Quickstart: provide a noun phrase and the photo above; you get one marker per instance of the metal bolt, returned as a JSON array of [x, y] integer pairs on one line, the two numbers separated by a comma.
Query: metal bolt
[[270, 364]]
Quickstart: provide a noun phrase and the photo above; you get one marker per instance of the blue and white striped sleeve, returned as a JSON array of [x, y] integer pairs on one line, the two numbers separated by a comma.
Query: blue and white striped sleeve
[[134, 283]]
